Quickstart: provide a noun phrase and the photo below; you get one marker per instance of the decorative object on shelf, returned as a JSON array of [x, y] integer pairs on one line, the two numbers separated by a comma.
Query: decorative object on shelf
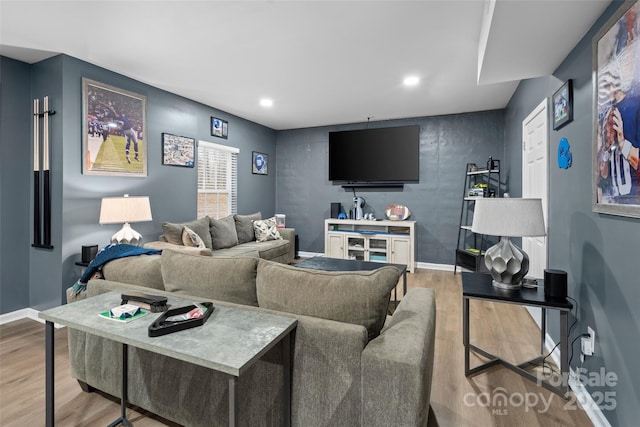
[[397, 212], [116, 210], [508, 218], [358, 204], [562, 104], [616, 147], [113, 128], [491, 165], [259, 163], [219, 128], [41, 212], [565, 157], [178, 150]]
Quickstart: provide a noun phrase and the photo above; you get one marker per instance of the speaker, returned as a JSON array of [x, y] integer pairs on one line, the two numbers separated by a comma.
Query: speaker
[[555, 283], [89, 253], [336, 208]]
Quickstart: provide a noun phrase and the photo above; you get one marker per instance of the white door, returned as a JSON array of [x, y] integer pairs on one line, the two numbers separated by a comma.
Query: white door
[[535, 172]]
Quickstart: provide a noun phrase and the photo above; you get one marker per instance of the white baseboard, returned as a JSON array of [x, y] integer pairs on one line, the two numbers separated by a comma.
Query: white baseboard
[[25, 313], [582, 394], [431, 266]]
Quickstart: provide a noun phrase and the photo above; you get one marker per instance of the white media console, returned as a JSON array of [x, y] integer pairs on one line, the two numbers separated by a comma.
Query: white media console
[[369, 240]]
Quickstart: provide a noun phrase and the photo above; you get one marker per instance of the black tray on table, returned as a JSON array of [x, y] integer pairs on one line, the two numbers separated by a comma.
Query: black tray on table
[[162, 327]]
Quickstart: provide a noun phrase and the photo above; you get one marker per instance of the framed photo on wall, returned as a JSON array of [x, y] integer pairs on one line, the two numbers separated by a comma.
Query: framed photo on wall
[[562, 102], [259, 163], [113, 131], [219, 128], [616, 106], [178, 150]]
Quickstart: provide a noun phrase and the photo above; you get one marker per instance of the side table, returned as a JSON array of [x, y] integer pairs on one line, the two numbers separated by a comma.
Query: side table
[[478, 286]]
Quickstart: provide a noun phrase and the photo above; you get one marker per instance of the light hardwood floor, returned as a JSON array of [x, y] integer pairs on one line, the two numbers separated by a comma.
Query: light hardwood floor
[[456, 400]]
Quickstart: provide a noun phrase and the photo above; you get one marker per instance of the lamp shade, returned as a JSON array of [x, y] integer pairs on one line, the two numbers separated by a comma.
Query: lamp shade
[[508, 217], [119, 210]]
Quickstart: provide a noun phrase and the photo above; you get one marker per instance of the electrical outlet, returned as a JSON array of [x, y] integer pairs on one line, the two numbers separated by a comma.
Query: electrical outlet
[[588, 344]]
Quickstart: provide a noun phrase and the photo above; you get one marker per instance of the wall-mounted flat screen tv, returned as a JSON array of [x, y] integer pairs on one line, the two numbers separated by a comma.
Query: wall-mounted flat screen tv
[[384, 155]]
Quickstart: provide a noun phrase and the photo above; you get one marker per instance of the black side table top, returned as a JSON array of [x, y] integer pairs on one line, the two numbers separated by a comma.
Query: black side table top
[[478, 285]]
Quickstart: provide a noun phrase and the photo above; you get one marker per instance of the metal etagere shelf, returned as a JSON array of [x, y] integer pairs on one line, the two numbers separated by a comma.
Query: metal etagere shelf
[[478, 183]]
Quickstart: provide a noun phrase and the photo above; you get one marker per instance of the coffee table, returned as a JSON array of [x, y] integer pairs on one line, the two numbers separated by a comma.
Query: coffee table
[[231, 341], [341, 264]]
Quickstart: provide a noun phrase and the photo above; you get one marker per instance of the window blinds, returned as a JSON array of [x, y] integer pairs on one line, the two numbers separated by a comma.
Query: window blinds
[[217, 180]]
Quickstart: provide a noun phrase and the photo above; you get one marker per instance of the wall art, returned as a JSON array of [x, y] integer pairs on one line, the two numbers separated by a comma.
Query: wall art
[[616, 106], [113, 131], [563, 105], [259, 163], [178, 150], [219, 128]]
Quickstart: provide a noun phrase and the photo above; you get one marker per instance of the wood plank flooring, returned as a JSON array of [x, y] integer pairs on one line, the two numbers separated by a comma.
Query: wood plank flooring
[[456, 400]]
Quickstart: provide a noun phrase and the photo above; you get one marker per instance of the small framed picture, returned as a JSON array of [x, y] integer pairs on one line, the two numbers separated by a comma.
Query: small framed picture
[[219, 128], [563, 105], [259, 163], [178, 150]]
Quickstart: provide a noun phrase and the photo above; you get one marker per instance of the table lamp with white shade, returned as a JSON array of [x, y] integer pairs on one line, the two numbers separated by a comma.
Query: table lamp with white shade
[[508, 217], [116, 210]]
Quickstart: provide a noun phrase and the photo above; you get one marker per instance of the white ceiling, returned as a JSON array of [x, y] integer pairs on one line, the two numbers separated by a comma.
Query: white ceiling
[[322, 62]]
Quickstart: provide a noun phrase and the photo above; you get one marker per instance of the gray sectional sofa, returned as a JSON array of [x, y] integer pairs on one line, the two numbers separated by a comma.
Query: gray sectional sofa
[[231, 236], [352, 365]]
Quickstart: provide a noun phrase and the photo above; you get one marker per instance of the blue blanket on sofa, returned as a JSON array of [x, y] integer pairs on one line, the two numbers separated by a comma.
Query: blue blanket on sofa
[[106, 254]]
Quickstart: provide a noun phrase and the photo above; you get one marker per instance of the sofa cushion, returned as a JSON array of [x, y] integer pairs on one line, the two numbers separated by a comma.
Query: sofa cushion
[[266, 230], [270, 249], [173, 231], [358, 297], [244, 227], [223, 232], [136, 270], [225, 279], [191, 238]]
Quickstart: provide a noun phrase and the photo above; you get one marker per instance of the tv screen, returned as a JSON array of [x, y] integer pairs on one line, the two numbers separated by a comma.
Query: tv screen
[[375, 155]]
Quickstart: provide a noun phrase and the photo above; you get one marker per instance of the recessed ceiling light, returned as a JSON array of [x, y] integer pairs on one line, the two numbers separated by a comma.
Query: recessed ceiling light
[[266, 102], [411, 80]]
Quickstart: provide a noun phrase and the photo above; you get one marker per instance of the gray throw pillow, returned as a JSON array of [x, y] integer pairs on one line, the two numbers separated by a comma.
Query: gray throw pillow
[[358, 297], [224, 279], [223, 232], [173, 231], [244, 227]]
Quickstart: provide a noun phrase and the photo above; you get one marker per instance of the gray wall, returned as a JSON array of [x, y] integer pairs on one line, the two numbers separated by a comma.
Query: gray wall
[[76, 197], [15, 161], [447, 143], [597, 250]]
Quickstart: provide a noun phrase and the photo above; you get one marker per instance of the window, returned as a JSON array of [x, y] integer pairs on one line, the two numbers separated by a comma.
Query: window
[[217, 180]]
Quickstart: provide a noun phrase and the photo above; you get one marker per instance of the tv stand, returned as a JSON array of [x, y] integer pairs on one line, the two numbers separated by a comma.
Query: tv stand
[[371, 240]]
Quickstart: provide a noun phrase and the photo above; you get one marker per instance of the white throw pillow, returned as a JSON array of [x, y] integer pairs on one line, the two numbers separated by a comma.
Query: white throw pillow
[[191, 238], [266, 230]]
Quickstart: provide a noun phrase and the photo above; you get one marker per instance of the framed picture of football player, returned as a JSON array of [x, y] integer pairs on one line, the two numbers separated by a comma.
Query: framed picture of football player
[[113, 131], [616, 106]]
